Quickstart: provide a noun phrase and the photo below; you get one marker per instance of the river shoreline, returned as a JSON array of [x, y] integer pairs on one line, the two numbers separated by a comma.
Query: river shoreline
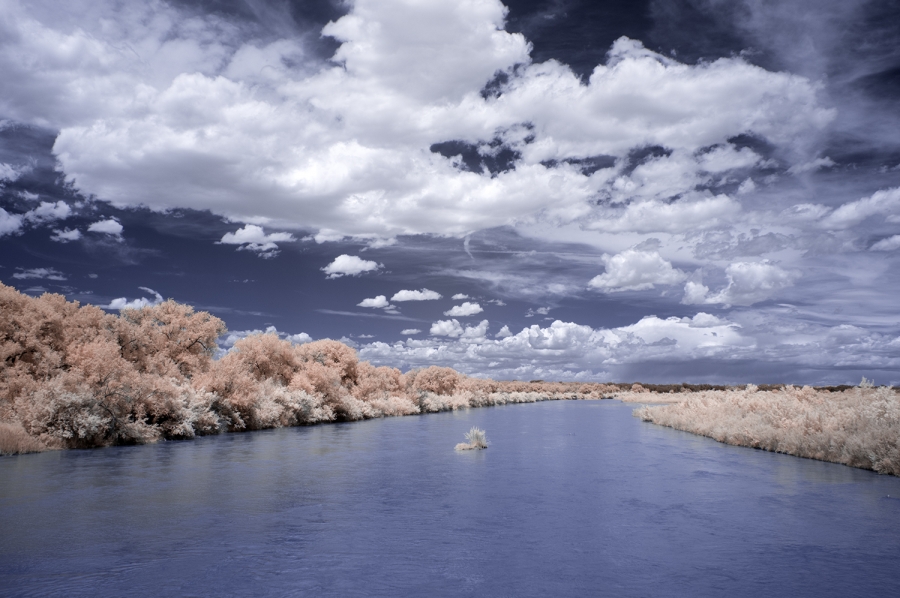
[[14, 439], [858, 427]]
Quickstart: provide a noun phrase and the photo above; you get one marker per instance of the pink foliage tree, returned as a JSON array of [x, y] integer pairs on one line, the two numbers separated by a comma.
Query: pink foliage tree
[[77, 376]]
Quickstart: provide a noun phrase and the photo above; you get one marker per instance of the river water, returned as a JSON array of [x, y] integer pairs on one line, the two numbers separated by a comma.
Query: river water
[[573, 498]]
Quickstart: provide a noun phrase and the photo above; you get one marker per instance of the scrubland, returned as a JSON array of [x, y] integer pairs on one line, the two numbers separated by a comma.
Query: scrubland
[[856, 426], [74, 376]]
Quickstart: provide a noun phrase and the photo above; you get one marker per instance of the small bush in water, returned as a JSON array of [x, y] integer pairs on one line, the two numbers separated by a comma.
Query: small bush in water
[[476, 440]]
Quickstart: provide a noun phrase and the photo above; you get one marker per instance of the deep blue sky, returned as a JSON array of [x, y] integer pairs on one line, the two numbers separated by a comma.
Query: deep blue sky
[[688, 190]]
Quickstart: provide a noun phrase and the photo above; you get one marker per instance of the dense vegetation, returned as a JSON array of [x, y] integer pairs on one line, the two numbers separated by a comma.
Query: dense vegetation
[[77, 377], [856, 426], [74, 376]]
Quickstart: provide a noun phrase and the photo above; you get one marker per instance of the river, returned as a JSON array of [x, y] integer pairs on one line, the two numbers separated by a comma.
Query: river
[[572, 498]]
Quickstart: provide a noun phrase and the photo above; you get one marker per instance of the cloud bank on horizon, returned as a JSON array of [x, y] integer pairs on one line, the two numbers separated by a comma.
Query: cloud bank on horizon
[[723, 184]]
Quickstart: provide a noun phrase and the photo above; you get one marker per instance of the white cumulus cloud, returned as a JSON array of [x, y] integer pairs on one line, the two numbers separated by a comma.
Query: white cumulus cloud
[[634, 270], [379, 301], [811, 165], [649, 349], [65, 235], [10, 173], [454, 329], [109, 227], [10, 224], [228, 341], [727, 157], [748, 283], [349, 265], [202, 114], [566, 349], [888, 244], [476, 332], [47, 212], [123, 303], [446, 328], [253, 238], [886, 201], [687, 214], [423, 295], [466, 309], [298, 339]]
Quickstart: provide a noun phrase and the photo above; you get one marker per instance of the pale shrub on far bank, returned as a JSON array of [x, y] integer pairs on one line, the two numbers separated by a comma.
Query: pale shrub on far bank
[[859, 427]]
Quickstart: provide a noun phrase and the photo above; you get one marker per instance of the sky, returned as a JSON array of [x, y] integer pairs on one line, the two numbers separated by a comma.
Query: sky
[[659, 190]]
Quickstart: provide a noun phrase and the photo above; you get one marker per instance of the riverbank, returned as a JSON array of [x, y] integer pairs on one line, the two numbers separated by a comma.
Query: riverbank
[[859, 427], [74, 376], [14, 439]]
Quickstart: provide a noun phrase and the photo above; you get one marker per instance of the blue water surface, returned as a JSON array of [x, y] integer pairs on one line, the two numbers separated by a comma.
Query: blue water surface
[[573, 498]]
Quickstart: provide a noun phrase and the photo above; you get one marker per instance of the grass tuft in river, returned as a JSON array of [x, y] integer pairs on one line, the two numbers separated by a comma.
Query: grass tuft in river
[[476, 440]]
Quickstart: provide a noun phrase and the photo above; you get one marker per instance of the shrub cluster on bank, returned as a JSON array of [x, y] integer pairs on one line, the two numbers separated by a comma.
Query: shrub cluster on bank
[[856, 426], [77, 377]]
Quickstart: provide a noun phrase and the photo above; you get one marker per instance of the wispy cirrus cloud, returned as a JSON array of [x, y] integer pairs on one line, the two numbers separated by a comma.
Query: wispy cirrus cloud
[[42, 273]]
